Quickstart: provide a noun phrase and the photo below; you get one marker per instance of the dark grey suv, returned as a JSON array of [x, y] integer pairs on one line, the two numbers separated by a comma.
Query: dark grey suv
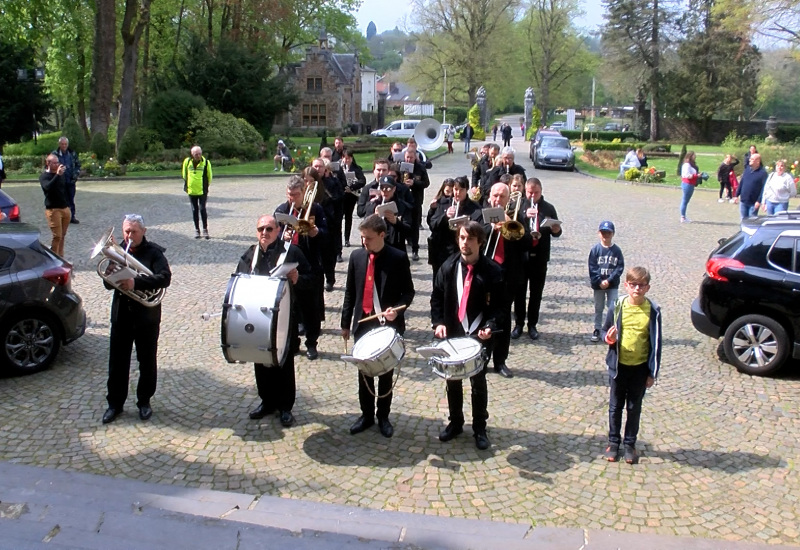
[[39, 311]]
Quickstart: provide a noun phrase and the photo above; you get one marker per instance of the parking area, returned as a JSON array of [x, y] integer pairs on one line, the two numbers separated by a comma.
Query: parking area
[[719, 448]]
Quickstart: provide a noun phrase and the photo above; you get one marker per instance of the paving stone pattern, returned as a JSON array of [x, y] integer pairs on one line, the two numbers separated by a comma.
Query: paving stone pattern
[[718, 448]]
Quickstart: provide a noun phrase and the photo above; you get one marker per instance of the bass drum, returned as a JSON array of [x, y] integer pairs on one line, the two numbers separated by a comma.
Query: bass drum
[[256, 320]]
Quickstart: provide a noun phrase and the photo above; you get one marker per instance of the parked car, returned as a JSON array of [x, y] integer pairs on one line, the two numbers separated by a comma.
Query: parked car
[[39, 311], [558, 125], [398, 129], [9, 209], [612, 127], [750, 294], [553, 151]]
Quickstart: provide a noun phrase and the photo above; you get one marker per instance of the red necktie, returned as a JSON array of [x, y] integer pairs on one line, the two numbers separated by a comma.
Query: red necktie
[[500, 253], [462, 307], [369, 285]]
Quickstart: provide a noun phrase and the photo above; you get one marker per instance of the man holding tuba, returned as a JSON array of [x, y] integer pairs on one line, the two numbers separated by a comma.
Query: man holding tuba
[[134, 322]]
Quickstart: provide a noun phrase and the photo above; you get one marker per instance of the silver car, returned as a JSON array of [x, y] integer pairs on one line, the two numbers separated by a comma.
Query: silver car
[[553, 152]]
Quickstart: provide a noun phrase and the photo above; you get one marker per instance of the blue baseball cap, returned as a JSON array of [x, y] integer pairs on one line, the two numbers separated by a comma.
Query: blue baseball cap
[[606, 226]]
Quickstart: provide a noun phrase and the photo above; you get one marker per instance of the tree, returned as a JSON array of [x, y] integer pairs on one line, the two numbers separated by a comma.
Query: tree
[[775, 19], [104, 65], [137, 16], [22, 102]]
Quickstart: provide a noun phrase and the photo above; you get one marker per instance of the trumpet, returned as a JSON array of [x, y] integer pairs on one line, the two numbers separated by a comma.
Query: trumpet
[[116, 259], [512, 230], [535, 233], [304, 225]]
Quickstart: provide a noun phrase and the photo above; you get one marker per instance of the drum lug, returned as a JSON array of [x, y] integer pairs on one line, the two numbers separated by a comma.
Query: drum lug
[[265, 309], [237, 307]]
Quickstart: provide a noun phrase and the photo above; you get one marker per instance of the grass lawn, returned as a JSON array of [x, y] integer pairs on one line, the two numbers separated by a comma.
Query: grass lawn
[[707, 162]]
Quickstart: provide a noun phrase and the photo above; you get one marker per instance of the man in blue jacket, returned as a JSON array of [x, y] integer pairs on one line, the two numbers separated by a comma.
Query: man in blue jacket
[[751, 187]]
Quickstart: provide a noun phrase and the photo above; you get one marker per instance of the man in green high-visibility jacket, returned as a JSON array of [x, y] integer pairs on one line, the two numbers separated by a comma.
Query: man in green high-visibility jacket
[[197, 177]]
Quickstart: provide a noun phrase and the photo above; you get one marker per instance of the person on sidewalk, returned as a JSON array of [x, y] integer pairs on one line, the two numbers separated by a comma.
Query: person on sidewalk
[[72, 164], [465, 300], [606, 266], [276, 384], [632, 330], [466, 135], [726, 183], [135, 323], [506, 133], [689, 177], [750, 192], [197, 176], [56, 202], [378, 281], [780, 187]]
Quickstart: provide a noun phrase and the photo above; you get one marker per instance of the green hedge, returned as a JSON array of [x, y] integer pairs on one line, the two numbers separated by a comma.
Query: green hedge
[[45, 144], [26, 163], [606, 146], [788, 133], [603, 136]]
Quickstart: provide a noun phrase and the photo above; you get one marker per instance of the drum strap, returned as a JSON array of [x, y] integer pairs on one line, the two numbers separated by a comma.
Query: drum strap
[[255, 259], [468, 329]]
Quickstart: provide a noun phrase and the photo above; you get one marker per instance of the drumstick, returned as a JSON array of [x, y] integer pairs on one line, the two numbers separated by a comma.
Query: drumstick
[[377, 315], [345, 346]]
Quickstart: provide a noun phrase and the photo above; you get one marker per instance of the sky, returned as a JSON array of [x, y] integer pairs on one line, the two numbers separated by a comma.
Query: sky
[[388, 15]]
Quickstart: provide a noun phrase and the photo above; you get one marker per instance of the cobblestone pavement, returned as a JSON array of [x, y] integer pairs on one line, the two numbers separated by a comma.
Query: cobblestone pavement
[[719, 448]]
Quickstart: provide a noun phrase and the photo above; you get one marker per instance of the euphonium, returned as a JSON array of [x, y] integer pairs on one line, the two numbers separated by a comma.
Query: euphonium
[[115, 258], [304, 226], [512, 230]]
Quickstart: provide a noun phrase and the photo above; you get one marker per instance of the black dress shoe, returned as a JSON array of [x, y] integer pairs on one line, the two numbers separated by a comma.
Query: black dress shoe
[[415, 256], [361, 424], [301, 329], [347, 244], [74, 220], [260, 412], [111, 414], [145, 412], [311, 352], [387, 430], [517, 332], [503, 371], [481, 441], [533, 333], [339, 259], [287, 418], [328, 287], [450, 432]]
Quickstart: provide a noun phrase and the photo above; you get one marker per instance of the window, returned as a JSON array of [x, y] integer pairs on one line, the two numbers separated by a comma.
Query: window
[[314, 114], [314, 84], [781, 253]]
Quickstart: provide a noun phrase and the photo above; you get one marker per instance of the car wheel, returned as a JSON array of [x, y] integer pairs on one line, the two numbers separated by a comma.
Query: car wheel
[[29, 343], [756, 344]]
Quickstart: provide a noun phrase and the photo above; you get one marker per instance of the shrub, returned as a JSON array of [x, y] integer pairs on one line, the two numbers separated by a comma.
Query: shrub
[[170, 115], [474, 117], [131, 146], [616, 146], [733, 141], [23, 164], [100, 146], [602, 136], [536, 121], [632, 174], [75, 135], [45, 144], [225, 135], [113, 168]]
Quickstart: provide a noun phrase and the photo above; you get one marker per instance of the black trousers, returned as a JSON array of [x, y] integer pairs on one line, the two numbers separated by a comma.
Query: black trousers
[[627, 392], [333, 243], [366, 384], [480, 401], [124, 333], [500, 343], [311, 306], [71, 188], [199, 210], [348, 205], [534, 278], [416, 220], [276, 385]]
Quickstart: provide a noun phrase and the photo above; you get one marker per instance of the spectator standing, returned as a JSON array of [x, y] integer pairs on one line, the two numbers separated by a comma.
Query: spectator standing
[[197, 178], [750, 152], [72, 168], [467, 134], [448, 137], [689, 177], [751, 188], [506, 132], [494, 132], [606, 266], [780, 187], [56, 203]]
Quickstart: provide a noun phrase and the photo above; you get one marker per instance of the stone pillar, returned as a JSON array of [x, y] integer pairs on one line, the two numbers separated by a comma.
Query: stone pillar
[[772, 129], [480, 96], [530, 101]]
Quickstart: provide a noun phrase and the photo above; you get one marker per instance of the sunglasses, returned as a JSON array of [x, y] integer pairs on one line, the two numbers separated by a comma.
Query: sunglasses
[[267, 228]]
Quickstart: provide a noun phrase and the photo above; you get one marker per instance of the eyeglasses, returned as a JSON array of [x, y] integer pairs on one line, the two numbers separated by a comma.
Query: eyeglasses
[[633, 284], [267, 228]]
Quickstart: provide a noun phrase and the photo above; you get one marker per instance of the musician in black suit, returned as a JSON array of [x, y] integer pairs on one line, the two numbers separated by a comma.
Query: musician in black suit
[[537, 258], [482, 313], [380, 168], [311, 304], [333, 205], [398, 226], [508, 251], [384, 272], [338, 149], [506, 165], [481, 166], [443, 238], [352, 190], [276, 384], [417, 181]]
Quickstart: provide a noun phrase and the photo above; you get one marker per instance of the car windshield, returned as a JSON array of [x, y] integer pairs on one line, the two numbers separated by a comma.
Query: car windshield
[[555, 143]]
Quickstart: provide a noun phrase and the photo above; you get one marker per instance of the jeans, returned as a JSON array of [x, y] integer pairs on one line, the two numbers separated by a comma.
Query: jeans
[[747, 209], [603, 299], [688, 191], [775, 207], [627, 391], [466, 145]]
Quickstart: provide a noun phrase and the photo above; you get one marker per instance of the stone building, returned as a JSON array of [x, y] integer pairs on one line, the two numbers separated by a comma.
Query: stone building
[[328, 86]]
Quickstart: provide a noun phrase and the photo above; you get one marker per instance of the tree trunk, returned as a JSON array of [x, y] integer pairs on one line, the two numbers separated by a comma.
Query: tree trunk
[[80, 88], [104, 65], [131, 33], [654, 75]]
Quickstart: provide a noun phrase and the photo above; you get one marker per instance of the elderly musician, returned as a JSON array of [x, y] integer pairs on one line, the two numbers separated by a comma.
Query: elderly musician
[[505, 165], [311, 304], [378, 282], [133, 322], [276, 384], [507, 242], [443, 236], [465, 301]]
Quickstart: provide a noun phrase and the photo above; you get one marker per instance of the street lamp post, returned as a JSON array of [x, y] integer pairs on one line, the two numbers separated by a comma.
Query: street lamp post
[[444, 98]]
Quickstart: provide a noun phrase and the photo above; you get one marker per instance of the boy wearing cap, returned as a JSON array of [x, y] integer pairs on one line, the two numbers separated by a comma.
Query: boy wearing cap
[[283, 159], [606, 266]]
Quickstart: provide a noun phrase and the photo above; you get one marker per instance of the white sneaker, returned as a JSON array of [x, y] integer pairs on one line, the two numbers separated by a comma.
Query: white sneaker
[[721, 200], [686, 220], [731, 201]]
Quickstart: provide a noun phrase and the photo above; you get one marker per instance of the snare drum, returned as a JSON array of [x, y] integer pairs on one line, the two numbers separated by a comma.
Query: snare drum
[[463, 361], [256, 320], [378, 351]]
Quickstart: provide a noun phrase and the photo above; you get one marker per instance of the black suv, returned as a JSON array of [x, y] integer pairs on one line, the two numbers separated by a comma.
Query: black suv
[[750, 294], [38, 308]]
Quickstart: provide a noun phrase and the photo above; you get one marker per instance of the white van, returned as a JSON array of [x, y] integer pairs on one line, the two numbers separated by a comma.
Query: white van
[[398, 129]]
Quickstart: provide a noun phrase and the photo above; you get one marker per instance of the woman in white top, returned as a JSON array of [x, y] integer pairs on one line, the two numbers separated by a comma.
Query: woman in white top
[[780, 187], [688, 182]]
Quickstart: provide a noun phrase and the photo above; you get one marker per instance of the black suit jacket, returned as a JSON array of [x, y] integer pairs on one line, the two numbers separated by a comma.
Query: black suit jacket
[[515, 252], [311, 246], [392, 281], [487, 279], [539, 253], [493, 176], [266, 261], [403, 192], [443, 239]]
